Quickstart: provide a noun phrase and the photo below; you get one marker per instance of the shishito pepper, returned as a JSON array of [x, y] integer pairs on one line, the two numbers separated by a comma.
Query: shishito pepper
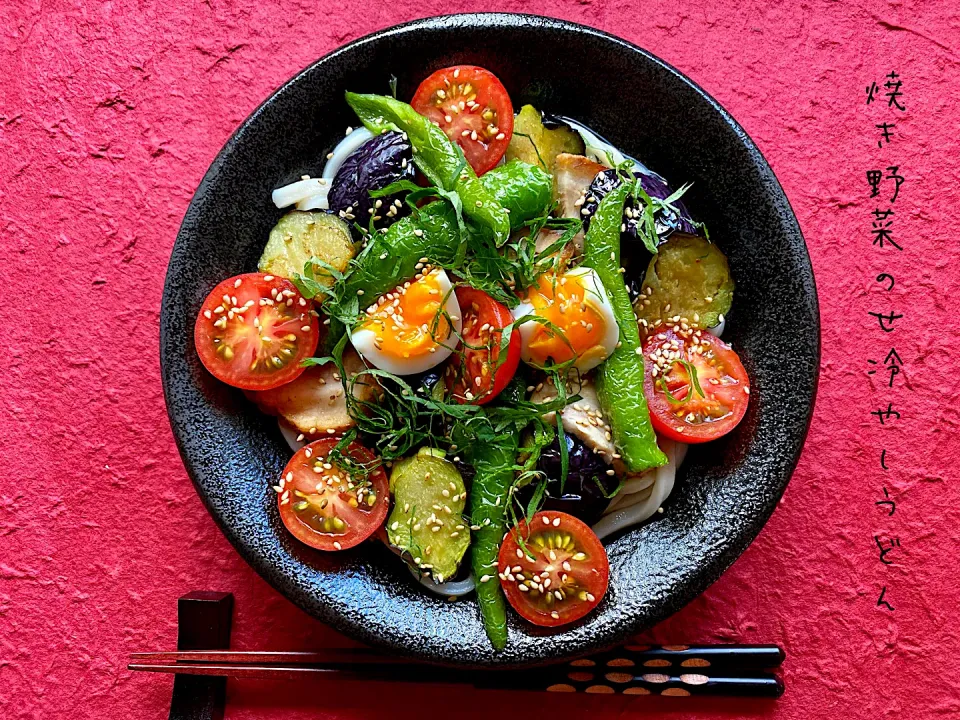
[[620, 377], [494, 462], [439, 159], [391, 258]]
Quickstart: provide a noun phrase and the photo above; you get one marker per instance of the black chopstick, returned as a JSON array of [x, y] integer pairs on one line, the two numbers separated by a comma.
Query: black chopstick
[[630, 670], [692, 658]]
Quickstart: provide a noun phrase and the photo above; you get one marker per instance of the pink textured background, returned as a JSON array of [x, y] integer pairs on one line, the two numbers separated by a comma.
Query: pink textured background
[[109, 115]]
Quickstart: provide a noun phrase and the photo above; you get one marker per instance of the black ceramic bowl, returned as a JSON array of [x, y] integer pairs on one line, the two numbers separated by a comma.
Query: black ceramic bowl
[[727, 489]]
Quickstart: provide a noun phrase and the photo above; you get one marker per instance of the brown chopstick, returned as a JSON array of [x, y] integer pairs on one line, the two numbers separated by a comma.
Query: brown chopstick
[[630, 670], [339, 656]]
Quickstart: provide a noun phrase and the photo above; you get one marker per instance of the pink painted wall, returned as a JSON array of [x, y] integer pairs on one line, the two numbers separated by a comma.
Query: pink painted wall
[[109, 115]]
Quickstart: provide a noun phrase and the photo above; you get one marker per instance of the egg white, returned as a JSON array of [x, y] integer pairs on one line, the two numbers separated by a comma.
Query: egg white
[[596, 297], [363, 339]]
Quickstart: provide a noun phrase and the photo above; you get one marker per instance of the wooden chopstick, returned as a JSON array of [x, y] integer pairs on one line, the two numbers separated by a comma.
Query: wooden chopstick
[[338, 656], [631, 670]]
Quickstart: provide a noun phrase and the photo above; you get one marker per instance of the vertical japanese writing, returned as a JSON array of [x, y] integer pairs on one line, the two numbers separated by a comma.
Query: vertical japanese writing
[[883, 183]]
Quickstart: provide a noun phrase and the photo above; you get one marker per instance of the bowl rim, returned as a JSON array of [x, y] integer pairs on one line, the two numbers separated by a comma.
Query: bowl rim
[[707, 573]]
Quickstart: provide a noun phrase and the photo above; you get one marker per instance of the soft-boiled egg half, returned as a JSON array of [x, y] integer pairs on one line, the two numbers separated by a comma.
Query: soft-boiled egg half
[[412, 328], [576, 305]]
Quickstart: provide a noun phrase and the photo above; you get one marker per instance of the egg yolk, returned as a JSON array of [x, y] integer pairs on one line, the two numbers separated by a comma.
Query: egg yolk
[[406, 321], [567, 305]]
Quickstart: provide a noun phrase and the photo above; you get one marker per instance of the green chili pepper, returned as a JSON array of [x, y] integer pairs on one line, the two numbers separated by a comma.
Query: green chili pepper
[[620, 377], [525, 190], [440, 160], [494, 462]]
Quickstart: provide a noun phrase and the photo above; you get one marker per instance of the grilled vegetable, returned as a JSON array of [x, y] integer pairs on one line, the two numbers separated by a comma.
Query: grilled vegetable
[[380, 161], [522, 189], [494, 461], [667, 220], [390, 258], [620, 378], [440, 160], [588, 488], [300, 236], [689, 277], [427, 519], [535, 144]]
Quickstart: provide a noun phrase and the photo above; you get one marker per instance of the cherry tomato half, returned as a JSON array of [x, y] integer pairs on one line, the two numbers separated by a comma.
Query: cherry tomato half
[[473, 108], [330, 507], [254, 330], [698, 406], [480, 374], [554, 570]]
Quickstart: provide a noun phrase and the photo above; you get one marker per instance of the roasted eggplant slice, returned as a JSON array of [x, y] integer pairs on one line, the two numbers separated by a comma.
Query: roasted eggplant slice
[[536, 144], [689, 277]]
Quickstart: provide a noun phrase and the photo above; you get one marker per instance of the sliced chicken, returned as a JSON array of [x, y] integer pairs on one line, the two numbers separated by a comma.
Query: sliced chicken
[[583, 419], [315, 403], [572, 175], [547, 238]]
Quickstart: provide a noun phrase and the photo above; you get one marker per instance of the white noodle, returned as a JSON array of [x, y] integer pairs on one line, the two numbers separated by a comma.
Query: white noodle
[[343, 149], [314, 202], [313, 189], [447, 589], [717, 330], [622, 501], [637, 484], [634, 514], [599, 150], [290, 435]]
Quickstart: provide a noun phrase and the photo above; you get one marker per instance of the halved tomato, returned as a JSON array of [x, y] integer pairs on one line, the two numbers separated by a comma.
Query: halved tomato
[[696, 387], [333, 503], [554, 570], [480, 374], [254, 330], [473, 108]]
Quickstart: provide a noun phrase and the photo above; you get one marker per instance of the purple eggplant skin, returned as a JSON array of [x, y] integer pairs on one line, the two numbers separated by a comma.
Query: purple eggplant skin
[[667, 222], [581, 495], [381, 160]]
